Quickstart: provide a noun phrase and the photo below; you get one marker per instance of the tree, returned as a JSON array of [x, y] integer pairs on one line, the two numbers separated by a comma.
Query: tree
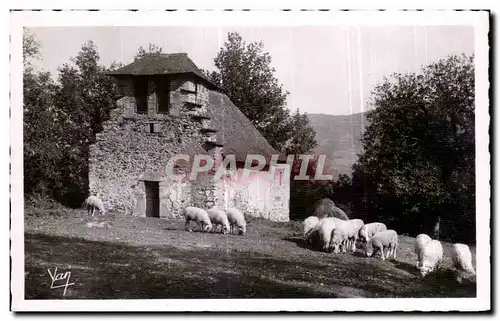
[[304, 139], [86, 94], [61, 120], [153, 49], [417, 167], [245, 74], [40, 123], [31, 47]]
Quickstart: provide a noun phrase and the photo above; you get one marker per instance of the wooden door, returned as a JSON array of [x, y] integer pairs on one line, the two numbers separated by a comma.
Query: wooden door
[[152, 199]]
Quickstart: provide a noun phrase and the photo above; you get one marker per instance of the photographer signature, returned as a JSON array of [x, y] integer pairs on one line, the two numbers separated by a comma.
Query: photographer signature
[[59, 278]]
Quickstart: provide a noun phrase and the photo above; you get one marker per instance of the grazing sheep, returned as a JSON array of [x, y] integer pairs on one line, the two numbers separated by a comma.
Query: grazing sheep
[[309, 224], [326, 208], [368, 230], [385, 239], [219, 218], [198, 215], [462, 261], [420, 241], [430, 257], [236, 219], [94, 203], [357, 225], [343, 233], [324, 229]]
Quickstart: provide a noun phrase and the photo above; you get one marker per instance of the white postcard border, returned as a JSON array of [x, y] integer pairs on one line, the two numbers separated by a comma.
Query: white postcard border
[[271, 18]]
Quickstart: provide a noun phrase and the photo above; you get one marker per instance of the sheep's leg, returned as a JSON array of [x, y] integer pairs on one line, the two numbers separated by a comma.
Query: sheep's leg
[[394, 254], [382, 253], [187, 226]]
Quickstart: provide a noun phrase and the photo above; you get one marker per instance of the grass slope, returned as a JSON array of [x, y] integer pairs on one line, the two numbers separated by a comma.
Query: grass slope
[[152, 258]]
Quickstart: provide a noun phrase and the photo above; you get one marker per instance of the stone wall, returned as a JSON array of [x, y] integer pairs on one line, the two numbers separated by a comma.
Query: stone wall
[[126, 153], [257, 196]]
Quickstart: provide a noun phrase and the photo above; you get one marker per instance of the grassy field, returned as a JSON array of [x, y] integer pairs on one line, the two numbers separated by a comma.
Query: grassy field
[[142, 258]]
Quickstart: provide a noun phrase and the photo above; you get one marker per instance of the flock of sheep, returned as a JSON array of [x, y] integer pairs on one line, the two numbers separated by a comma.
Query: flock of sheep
[[333, 231], [209, 220], [336, 234]]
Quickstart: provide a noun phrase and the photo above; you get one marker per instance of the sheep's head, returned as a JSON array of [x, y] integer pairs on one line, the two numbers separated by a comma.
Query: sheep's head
[[242, 230], [226, 228], [424, 270], [369, 248], [326, 246], [335, 242], [208, 227]]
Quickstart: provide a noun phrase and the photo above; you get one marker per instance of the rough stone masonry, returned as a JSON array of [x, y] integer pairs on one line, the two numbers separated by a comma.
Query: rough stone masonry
[[131, 153]]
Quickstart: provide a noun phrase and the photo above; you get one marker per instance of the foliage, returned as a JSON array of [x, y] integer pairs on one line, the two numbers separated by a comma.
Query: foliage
[[31, 47], [41, 123], [303, 140], [152, 49], [60, 122], [245, 74], [417, 166]]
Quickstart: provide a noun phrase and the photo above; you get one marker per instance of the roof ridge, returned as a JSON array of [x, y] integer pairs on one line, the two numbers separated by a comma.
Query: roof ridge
[[163, 64]]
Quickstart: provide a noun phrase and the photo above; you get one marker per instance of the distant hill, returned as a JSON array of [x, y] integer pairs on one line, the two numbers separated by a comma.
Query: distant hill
[[338, 137]]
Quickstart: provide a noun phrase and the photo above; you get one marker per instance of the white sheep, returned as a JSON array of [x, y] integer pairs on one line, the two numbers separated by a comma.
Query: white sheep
[[462, 261], [430, 257], [309, 225], [342, 235], [367, 231], [324, 229], [198, 215], [94, 203], [236, 219], [357, 225], [385, 239], [219, 218], [420, 241]]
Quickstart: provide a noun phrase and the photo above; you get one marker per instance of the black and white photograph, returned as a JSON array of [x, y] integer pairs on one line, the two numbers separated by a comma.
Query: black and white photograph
[[250, 161]]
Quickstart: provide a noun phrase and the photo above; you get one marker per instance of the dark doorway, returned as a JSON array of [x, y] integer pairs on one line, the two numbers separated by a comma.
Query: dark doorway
[[152, 199], [141, 94]]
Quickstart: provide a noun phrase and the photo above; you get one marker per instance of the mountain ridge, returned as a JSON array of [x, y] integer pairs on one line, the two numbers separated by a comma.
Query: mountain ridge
[[339, 138]]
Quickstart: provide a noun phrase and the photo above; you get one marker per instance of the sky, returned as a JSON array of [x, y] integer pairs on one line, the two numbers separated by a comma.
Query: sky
[[326, 69]]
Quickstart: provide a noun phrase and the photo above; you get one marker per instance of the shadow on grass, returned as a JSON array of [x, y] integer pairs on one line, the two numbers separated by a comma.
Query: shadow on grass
[[110, 270], [359, 253], [410, 268], [102, 270], [440, 282], [300, 242]]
